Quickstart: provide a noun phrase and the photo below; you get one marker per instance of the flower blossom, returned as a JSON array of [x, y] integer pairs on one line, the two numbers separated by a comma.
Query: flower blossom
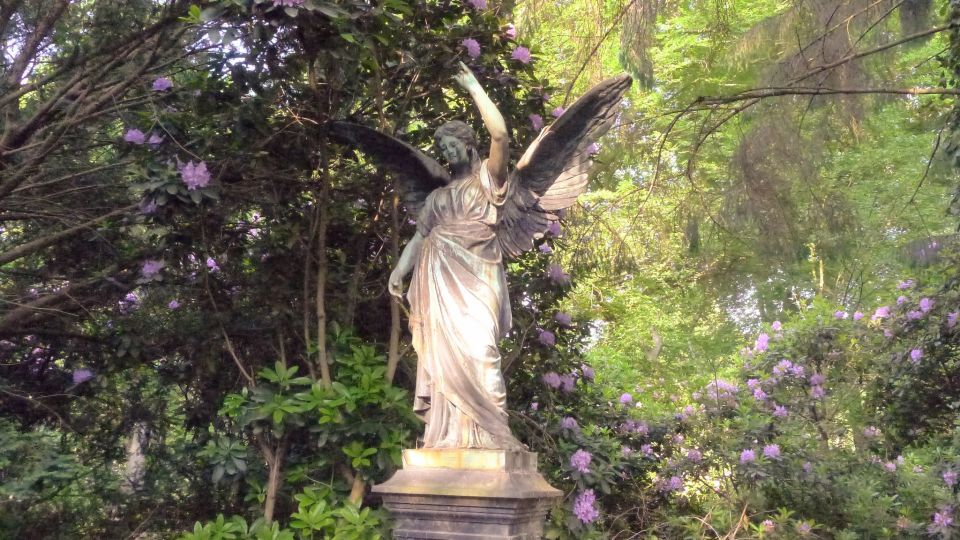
[[694, 455], [858, 315], [881, 313], [151, 268], [839, 314], [817, 379], [587, 371], [472, 47], [545, 248], [780, 411], [646, 449], [926, 305], [212, 265], [568, 423], [592, 148], [950, 478], [580, 461], [554, 228], [905, 284], [557, 275], [82, 376], [748, 456], [478, 4], [536, 121], [534, 406], [154, 139], [173, 304], [584, 507], [521, 54], [547, 338], [952, 319], [551, 379], [817, 392], [941, 522], [134, 136], [161, 84], [675, 483], [195, 175], [771, 451], [510, 32], [558, 112], [626, 398], [871, 432], [914, 315], [568, 383], [901, 300], [760, 345], [916, 355], [563, 318]]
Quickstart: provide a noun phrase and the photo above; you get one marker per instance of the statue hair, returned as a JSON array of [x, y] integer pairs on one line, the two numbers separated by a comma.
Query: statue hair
[[464, 133]]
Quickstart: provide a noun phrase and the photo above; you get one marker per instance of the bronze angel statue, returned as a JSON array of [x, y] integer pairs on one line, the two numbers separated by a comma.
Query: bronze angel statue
[[468, 219]]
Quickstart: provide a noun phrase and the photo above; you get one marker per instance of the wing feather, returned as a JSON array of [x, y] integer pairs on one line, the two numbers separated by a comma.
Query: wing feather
[[418, 174], [553, 171]]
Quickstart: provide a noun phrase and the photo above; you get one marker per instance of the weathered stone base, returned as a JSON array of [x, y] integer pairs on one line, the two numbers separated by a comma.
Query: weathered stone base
[[467, 495]]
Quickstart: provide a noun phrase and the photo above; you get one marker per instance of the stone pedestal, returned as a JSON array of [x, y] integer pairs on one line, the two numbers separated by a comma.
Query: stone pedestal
[[467, 494]]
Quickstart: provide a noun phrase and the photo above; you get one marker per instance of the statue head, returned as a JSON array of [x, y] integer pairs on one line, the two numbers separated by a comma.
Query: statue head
[[457, 143]]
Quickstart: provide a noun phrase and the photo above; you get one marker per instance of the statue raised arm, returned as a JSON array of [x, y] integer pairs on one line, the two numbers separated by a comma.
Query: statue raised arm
[[467, 220]]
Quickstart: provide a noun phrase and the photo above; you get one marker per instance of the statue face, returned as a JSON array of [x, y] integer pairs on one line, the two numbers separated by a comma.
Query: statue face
[[453, 150]]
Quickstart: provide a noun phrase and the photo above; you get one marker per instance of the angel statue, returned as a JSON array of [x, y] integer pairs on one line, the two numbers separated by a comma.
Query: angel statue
[[468, 219]]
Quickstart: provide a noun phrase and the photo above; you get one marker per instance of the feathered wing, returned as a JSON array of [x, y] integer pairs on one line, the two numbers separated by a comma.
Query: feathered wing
[[553, 171], [418, 173]]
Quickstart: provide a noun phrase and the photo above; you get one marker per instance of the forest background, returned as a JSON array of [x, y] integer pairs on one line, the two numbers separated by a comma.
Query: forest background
[[747, 328]]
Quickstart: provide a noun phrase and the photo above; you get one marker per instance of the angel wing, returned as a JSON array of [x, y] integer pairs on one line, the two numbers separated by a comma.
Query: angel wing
[[418, 173], [553, 171]]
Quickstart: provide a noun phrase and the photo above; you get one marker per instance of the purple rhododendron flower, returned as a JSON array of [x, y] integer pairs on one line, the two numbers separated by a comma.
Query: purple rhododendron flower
[[675, 483], [580, 461], [563, 319], [154, 139], [545, 248], [547, 338], [905, 284], [926, 305], [870, 432], [557, 275], [694, 455], [161, 84], [593, 148], [901, 300], [151, 268], [626, 398], [759, 394], [551, 379], [890, 466], [817, 392], [534, 406], [174, 304], [478, 4], [520, 54], [780, 411], [568, 383], [768, 526], [82, 376], [942, 520], [753, 383], [916, 355], [195, 175], [558, 112], [771, 451], [212, 265], [134, 136], [803, 529], [776, 326], [817, 379], [554, 228], [536, 121], [807, 467], [952, 319], [760, 345], [782, 368], [472, 47], [858, 315], [880, 313], [748, 456], [587, 371], [840, 314], [914, 315], [646, 449], [950, 478], [510, 32], [568, 423], [584, 507]]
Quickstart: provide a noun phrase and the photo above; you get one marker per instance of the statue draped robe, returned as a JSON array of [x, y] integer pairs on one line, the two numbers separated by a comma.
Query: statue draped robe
[[460, 309]]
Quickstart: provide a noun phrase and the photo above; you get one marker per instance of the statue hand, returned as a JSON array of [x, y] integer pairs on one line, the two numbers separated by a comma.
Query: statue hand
[[395, 285], [466, 79]]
